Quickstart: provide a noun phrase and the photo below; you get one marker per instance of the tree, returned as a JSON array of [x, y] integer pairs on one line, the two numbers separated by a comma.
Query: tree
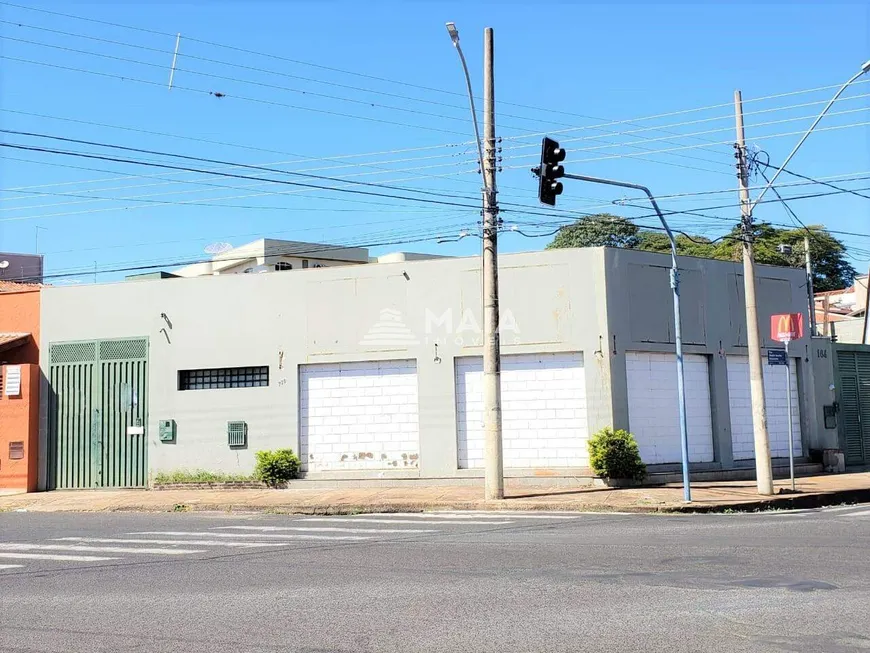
[[601, 230], [831, 269], [657, 241]]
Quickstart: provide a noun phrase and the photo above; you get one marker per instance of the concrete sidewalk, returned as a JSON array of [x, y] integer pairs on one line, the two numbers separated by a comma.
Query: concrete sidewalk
[[813, 491]]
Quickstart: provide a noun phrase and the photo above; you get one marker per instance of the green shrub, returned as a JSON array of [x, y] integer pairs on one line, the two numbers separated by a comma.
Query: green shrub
[[614, 454], [276, 467], [198, 476]]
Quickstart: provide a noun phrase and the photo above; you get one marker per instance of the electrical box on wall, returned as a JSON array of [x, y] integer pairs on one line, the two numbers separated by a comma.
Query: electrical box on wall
[[237, 434], [166, 430]]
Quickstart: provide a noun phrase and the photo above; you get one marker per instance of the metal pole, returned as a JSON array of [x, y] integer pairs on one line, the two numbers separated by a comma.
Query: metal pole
[[810, 292], [493, 454], [788, 403], [174, 59], [763, 469], [864, 68], [678, 330], [865, 338]]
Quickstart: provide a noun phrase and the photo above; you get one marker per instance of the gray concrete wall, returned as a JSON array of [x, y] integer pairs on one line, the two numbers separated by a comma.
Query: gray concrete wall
[[551, 301], [824, 392], [640, 317], [595, 301]]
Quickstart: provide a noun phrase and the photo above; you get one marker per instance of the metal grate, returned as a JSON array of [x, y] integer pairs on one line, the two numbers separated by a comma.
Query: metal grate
[[73, 352], [111, 350], [237, 434], [16, 450], [224, 377]]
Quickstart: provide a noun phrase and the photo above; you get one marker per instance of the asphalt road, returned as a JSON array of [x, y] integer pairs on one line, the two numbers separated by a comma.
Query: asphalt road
[[446, 582]]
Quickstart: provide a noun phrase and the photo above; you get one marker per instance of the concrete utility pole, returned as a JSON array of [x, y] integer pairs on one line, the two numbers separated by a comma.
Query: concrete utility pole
[[493, 455], [810, 292], [493, 465], [763, 468]]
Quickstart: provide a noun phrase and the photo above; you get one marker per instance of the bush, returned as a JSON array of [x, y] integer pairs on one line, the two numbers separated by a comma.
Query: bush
[[276, 467], [614, 454], [198, 476]]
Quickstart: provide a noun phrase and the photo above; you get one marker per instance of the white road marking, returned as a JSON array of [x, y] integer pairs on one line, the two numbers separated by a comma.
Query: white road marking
[[52, 556], [860, 513], [288, 536], [12, 546], [11, 566], [331, 529], [369, 520], [471, 514], [106, 540]]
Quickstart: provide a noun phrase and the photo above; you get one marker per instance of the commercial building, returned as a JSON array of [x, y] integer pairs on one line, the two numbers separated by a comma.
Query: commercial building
[[374, 371], [19, 385]]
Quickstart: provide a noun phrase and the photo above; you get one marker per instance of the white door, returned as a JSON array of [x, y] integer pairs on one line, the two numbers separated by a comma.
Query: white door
[[654, 410], [359, 416], [543, 411], [739, 400]]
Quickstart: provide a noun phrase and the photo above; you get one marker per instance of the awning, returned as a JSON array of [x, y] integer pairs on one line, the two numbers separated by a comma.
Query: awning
[[12, 340]]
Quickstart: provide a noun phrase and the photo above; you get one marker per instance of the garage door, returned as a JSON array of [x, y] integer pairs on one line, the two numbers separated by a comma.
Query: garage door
[[654, 410], [359, 416], [543, 411], [739, 400]]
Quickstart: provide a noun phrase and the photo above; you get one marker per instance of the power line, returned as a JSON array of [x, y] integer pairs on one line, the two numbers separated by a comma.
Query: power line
[[690, 147], [126, 78]]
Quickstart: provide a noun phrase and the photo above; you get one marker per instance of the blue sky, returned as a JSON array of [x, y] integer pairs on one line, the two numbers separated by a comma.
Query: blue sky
[[595, 74]]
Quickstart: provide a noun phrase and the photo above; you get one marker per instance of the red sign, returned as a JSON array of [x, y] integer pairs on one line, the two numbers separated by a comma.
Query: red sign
[[786, 327]]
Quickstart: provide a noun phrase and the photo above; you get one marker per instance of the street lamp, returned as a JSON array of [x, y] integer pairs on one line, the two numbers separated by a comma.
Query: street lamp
[[864, 69], [454, 36]]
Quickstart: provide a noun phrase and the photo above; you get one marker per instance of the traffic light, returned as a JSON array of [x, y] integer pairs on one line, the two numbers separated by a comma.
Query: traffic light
[[550, 171]]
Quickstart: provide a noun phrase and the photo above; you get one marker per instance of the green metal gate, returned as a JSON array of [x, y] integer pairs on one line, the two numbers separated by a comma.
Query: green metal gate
[[853, 371], [97, 414]]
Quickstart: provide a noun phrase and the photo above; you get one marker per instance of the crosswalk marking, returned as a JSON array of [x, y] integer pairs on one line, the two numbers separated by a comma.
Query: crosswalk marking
[[330, 529], [288, 536], [370, 520], [12, 546], [11, 566], [110, 540], [53, 556]]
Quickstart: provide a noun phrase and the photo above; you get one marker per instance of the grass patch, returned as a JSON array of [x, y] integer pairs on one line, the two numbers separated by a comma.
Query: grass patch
[[199, 476]]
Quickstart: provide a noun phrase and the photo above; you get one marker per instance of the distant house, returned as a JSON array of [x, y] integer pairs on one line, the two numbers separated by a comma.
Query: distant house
[[22, 268], [271, 255], [842, 312]]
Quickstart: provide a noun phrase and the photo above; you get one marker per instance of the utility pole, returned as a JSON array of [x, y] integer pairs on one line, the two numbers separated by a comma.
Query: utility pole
[[763, 469], [810, 292], [493, 458]]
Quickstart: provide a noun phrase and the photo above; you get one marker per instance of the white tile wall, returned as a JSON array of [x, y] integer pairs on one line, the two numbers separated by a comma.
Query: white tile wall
[[654, 410], [742, 435], [359, 416], [543, 411]]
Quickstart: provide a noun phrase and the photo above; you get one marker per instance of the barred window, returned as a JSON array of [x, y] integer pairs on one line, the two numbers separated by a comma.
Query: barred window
[[224, 377]]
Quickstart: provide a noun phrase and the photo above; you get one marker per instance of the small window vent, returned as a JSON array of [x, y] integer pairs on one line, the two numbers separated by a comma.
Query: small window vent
[[237, 434]]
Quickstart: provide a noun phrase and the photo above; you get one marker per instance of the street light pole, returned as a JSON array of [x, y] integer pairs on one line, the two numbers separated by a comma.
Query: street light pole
[[492, 421], [678, 331]]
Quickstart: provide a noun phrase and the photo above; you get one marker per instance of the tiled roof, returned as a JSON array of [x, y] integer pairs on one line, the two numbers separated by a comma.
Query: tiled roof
[[16, 286], [12, 340]]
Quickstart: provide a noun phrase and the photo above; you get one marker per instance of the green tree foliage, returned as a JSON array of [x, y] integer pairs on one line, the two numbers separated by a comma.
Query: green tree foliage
[[831, 269], [601, 230]]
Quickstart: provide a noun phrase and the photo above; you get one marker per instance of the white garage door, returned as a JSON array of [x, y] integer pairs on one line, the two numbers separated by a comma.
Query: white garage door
[[359, 416], [654, 410], [739, 400], [543, 411]]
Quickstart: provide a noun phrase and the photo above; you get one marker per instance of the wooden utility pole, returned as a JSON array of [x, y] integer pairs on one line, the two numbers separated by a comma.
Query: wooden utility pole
[[493, 456], [763, 469]]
